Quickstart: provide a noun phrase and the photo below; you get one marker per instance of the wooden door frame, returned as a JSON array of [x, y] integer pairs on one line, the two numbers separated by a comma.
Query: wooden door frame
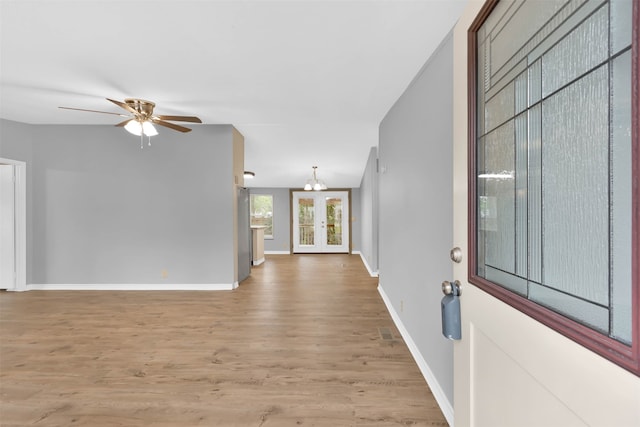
[[291, 209]]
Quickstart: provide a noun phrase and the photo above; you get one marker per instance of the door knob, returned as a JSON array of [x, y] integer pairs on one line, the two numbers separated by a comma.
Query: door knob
[[456, 254], [454, 288], [450, 306]]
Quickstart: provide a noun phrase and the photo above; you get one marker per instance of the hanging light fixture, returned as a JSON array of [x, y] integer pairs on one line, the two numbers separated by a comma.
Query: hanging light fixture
[[141, 128], [314, 183]]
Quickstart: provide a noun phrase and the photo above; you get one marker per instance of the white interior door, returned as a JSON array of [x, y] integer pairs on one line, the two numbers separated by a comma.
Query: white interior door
[[7, 228], [510, 370], [320, 221]]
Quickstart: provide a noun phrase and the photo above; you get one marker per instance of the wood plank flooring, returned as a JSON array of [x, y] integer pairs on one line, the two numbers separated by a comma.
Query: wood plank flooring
[[302, 342]]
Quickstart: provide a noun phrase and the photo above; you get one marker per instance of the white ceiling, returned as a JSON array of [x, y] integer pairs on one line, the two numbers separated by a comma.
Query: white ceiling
[[306, 82]]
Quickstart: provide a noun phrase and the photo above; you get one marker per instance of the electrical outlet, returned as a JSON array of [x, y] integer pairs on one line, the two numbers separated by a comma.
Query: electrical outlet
[[164, 274]]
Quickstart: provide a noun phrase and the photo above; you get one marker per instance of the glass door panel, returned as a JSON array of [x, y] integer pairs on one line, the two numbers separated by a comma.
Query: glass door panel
[[306, 221], [334, 221]]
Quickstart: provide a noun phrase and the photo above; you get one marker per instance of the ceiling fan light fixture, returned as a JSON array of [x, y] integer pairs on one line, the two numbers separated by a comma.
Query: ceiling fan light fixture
[[134, 127], [141, 120], [148, 129]]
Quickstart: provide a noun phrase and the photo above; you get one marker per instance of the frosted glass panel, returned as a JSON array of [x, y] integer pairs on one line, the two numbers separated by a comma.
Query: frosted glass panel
[[621, 197], [575, 185], [553, 155], [525, 21], [486, 219], [583, 49], [521, 93], [535, 82], [535, 194], [591, 314], [509, 281], [621, 13], [499, 184], [500, 108], [521, 195]]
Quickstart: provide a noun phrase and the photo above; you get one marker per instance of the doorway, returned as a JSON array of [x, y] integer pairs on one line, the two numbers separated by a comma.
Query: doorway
[[320, 222], [12, 225]]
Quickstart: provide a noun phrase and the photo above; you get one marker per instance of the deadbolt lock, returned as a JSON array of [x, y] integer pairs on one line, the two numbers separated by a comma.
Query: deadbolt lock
[[456, 255]]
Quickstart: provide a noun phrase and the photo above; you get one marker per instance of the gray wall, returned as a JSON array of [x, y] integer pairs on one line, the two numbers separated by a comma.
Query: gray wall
[[415, 190], [356, 220], [369, 211], [281, 228], [104, 211]]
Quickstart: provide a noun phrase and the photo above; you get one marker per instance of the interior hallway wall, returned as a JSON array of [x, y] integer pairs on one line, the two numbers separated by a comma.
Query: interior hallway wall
[[369, 212], [415, 195]]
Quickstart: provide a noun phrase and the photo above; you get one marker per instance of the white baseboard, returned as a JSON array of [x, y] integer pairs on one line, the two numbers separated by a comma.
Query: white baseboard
[[366, 264], [258, 261], [133, 287], [277, 253], [445, 405]]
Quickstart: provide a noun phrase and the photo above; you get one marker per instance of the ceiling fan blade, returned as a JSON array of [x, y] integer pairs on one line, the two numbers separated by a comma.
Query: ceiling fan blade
[[122, 124], [170, 125], [123, 105], [191, 119], [94, 111]]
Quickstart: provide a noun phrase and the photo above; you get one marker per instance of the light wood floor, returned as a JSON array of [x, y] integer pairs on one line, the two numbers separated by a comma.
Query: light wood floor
[[299, 343]]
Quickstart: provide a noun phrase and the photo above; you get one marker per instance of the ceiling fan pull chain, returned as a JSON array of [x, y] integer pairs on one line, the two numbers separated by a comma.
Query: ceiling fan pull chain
[[149, 141], [141, 141]]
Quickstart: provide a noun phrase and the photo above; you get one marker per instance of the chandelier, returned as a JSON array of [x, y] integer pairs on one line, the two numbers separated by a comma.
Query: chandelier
[[315, 183]]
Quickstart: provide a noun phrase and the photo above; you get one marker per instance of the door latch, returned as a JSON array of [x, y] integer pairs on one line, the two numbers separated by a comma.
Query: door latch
[[450, 306]]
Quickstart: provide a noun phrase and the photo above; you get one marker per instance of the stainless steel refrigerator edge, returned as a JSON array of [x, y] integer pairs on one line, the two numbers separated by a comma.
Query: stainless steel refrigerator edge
[[244, 235]]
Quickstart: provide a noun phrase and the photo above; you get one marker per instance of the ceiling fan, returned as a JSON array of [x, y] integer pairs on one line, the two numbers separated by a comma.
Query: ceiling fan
[[142, 119]]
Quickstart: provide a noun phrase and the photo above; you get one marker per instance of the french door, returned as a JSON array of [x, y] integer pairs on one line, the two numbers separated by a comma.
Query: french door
[[320, 221]]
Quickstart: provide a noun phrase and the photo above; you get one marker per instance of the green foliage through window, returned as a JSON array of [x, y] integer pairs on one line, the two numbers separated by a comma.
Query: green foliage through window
[[261, 209]]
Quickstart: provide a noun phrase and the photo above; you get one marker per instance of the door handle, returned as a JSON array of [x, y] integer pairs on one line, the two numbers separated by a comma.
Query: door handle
[[450, 306], [449, 288], [456, 255]]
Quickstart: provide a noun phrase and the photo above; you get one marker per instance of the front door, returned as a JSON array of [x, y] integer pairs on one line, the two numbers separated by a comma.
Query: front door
[[509, 369], [320, 221]]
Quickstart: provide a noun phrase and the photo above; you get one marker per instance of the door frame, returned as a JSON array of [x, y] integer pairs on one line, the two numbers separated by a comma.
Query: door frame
[[20, 218], [291, 212]]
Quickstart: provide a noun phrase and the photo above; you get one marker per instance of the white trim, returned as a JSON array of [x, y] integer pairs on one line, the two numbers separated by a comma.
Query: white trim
[[277, 253], [258, 261], [133, 287], [20, 222], [366, 264], [445, 406]]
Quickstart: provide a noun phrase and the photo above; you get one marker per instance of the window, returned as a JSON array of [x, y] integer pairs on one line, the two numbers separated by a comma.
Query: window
[[554, 157], [261, 208]]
